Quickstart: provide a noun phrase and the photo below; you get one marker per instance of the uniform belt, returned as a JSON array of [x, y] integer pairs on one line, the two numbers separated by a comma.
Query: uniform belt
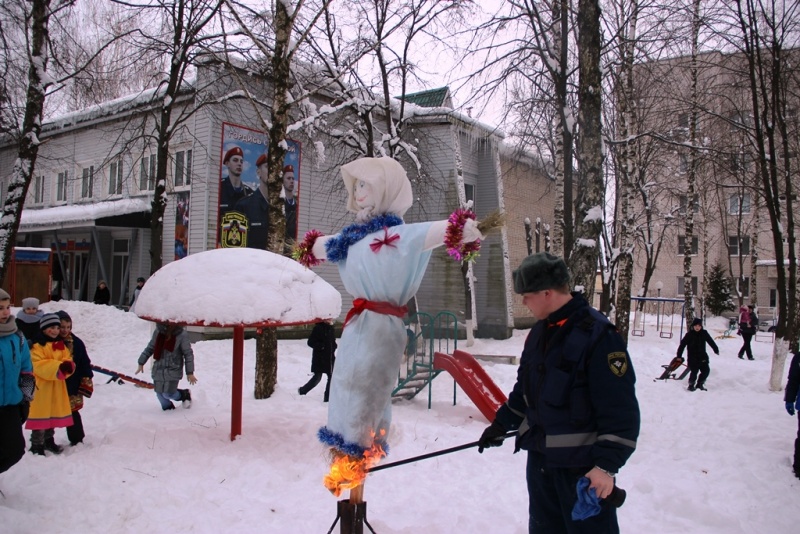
[[386, 308]]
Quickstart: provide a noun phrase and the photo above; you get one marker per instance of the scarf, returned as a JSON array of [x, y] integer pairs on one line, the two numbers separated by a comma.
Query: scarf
[[163, 342], [337, 247], [8, 327]]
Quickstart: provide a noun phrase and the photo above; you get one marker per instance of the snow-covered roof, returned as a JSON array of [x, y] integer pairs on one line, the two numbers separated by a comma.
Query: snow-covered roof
[[72, 215], [237, 286]]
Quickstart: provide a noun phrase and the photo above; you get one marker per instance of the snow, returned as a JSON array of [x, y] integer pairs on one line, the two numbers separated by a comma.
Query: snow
[[75, 213], [707, 462], [267, 288]]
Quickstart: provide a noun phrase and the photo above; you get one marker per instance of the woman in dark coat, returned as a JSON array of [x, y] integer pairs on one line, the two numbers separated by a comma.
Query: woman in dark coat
[[323, 342], [748, 330], [695, 344], [102, 295]]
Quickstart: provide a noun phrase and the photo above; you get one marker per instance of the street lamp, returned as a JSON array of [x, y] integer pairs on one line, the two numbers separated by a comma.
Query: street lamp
[[659, 287]]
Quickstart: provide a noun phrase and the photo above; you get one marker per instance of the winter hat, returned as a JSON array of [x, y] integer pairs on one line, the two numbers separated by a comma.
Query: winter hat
[[390, 185], [48, 320], [30, 302], [235, 151], [540, 271], [696, 321], [140, 279], [64, 316], [4, 295], [751, 306]]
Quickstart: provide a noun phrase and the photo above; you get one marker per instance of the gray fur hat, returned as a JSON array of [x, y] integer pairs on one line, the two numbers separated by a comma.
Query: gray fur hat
[[540, 271], [4, 295], [30, 302]]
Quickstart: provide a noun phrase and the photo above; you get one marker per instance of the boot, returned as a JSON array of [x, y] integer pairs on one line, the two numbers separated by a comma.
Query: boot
[[37, 449], [170, 407], [691, 387], [52, 446], [186, 398], [701, 387]]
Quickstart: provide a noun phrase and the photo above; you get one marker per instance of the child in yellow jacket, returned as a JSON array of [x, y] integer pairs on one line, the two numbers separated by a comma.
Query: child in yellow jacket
[[52, 364]]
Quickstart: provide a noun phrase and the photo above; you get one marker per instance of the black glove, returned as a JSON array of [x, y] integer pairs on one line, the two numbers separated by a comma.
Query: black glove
[[24, 410], [492, 436]]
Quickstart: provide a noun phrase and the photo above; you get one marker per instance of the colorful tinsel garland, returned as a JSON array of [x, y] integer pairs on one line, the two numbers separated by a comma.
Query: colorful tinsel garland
[[302, 252], [454, 237], [337, 247]]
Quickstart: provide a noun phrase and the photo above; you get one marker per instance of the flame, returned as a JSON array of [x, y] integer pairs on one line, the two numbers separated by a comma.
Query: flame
[[348, 472]]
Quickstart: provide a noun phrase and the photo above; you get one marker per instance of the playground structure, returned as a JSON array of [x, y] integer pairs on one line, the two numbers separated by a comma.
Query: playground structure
[[432, 347], [663, 310]]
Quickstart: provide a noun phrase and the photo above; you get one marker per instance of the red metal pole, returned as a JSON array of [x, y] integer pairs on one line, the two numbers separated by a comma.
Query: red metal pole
[[236, 382]]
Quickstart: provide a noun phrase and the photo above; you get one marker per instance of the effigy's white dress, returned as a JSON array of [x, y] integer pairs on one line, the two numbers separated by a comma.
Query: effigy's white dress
[[371, 348]]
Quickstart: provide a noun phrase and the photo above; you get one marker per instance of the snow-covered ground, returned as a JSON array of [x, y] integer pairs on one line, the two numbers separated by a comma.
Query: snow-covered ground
[[707, 462]]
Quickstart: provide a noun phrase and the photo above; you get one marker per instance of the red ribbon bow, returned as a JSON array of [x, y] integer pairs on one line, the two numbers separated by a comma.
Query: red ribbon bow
[[386, 308], [387, 240]]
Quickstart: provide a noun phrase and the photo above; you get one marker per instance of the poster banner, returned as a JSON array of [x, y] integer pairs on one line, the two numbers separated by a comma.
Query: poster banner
[[242, 216], [181, 225]]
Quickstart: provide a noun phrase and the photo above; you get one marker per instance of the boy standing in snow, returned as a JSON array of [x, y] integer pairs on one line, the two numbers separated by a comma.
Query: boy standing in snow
[[79, 385], [792, 400], [52, 364], [171, 350], [695, 344]]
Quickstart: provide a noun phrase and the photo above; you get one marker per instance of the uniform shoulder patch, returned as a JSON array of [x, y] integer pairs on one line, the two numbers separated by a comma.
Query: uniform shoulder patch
[[618, 363]]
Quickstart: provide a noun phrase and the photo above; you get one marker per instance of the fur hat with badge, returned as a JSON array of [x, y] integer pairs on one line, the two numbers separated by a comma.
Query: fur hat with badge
[[697, 321], [540, 271]]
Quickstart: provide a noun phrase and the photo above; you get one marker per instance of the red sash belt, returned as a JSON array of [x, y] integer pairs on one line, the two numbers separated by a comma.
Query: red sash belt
[[386, 308]]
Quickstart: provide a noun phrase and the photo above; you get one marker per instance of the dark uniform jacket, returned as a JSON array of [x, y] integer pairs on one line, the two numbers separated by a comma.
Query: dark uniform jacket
[[229, 195], [256, 208], [574, 400], [695, 345]]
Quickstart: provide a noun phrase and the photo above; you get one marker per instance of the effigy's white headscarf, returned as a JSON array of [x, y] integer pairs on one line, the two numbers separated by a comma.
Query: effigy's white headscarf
[[390, 185]]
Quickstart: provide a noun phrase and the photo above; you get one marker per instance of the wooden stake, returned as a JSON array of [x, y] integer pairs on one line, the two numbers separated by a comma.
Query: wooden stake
[[357, 494]]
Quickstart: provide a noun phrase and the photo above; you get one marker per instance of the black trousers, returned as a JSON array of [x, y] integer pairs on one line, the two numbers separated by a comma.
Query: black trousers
[[312, 383], [746, 338], [552, 493], [12, 442], [704, 370], [796, 464], [75, 432]]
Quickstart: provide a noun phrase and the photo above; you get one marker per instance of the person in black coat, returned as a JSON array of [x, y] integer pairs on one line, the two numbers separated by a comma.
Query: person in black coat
[[792, 400], [695, 344], [79, 383], [323, 342], [748, 329], [102, 295]]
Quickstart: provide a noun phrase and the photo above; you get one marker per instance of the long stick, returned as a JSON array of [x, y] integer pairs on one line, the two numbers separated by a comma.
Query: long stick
[[433, 454]]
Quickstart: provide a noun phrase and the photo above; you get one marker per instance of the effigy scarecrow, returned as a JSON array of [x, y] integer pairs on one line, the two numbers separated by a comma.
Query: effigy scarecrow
[[381, 261]]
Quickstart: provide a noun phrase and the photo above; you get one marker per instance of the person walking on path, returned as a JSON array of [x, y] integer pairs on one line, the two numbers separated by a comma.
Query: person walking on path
[[792, 400], [695, 342], [574, 404], [171, 352], [323, 342], [748, 326], [15, 368]]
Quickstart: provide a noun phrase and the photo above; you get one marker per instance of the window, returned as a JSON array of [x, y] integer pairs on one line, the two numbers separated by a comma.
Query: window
[[183, 168], [680, 286], [147, 173], [469, 194], [684, 201], [115, 178], [741, 287], [61, 187], [773, 298], [683, 163], [740, 120], [38, 190], [682, 245], [87, 182], [683, 120], [738, 245], [739, 204]]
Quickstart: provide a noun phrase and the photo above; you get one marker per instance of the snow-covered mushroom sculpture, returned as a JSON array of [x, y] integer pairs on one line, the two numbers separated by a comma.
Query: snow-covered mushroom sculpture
[[237, 288]]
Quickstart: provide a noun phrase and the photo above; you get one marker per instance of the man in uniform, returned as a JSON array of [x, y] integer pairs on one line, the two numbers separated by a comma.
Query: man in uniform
[[232, 188], [574, 402], [289, 203], [256, 208]]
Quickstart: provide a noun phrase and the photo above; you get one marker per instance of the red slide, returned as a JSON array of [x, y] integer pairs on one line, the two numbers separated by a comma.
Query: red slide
[[471, 377]]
